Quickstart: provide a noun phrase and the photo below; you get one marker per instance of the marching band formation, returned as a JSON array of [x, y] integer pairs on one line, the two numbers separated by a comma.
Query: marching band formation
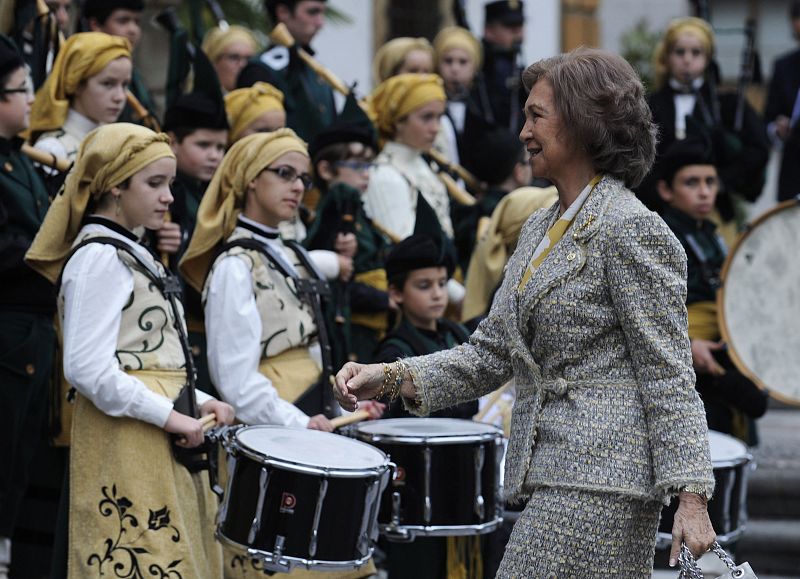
[[178, 293]]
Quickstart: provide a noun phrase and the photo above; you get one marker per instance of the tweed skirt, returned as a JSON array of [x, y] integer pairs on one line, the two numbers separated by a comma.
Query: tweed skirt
[[568, 533]]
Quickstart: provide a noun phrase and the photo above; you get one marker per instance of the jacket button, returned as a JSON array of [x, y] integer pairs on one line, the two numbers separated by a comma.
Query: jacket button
[[570, 256], [30, 369]]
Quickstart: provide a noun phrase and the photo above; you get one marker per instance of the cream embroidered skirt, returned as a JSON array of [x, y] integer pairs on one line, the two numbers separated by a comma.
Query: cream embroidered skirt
[[134, 511], [565, 533]]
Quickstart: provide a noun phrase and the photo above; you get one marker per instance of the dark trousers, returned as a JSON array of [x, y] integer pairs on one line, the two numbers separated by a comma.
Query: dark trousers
[[27, 347]]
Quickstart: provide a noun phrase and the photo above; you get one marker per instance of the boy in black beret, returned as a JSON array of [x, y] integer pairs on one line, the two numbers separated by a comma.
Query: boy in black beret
[[418, 269], [27, 306], [688, 185], [197, 126], [342, 156]]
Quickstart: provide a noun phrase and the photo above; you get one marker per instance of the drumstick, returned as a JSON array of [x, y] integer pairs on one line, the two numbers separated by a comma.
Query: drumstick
[[208, 421], [356, 416]]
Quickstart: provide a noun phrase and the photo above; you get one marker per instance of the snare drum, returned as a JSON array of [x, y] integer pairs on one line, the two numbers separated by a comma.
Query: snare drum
[[727, 509], [447, 479], [301, 498]]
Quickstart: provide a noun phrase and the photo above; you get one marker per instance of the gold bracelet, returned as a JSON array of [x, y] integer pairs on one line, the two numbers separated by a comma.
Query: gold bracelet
[[386, 378], [400, 371]]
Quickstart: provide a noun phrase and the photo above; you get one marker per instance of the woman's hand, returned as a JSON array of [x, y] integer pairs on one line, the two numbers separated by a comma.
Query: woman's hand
[[190, 428], [703, 357], [692, 526], [320, 422], [223, 412], [356, 382]]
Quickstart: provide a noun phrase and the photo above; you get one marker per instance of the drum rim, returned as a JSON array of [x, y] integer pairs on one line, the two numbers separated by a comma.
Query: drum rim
[[492, 433], [489, 526], [723, 325], [302, 468], [294, 562]]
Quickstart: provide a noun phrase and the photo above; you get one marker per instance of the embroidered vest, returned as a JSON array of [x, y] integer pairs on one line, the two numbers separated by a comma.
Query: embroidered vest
[[147, 338], [286, 321]]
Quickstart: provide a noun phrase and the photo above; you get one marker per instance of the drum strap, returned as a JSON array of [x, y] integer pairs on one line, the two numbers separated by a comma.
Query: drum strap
[[709, 274], [312, 291]]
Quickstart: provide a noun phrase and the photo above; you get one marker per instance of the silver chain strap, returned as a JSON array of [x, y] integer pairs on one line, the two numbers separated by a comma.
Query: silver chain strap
[[690, 570]]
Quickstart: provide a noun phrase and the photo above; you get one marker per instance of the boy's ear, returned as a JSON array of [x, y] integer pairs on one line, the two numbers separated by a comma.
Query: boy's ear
[[396, 295], [325, 170], [173, 140], [664, 191]]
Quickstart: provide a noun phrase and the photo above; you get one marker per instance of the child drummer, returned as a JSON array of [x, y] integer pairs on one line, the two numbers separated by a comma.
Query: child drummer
[[266, 339]]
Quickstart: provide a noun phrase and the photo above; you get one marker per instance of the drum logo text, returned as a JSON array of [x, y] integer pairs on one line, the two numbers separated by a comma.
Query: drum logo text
[[288, 502]]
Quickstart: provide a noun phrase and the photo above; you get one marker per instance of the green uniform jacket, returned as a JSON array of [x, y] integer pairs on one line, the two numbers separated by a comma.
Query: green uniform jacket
[[308, 98]]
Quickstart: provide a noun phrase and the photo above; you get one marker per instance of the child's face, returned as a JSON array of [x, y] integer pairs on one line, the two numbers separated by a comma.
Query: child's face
[[457, 70], [687, 59], [354, 171], [200, 153], [102, 97], [122, 22], [15, 108], [694, 190], [423, 298], [273, 197], [147, 197]]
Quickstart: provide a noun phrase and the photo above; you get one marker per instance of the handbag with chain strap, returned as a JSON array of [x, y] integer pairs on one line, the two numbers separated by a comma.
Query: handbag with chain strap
[[690, 570]]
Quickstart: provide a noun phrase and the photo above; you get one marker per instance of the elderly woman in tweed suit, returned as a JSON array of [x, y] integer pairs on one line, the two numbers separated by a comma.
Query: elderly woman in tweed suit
[[591, 324]]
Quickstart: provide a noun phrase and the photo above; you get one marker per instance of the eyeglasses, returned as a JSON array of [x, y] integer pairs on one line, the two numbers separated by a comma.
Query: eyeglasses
[[290, 175], [354, 165]]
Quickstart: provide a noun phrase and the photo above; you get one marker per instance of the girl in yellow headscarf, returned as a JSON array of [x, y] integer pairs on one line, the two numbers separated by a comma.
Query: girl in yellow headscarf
[[86, 88], [686, 99], [229, 50], [402, 55], [256, 109], [407, 109], [132, 504], [264, 352]]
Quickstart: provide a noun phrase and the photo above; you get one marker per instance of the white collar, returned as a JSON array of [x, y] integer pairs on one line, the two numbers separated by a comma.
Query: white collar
[[78, 125], [400, 153]]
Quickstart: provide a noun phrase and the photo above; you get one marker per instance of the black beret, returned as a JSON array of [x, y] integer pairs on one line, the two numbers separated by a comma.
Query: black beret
[[418, 251], [10, 58], [500, 151], [196, 110], [102, 9], [695, 149], [508, 12]]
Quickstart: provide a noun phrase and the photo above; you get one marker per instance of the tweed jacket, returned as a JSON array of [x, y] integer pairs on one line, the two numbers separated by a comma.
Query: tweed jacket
[[597, 345]]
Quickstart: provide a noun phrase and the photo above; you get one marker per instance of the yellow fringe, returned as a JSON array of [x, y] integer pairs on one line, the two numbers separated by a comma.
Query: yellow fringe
[[464, 560]]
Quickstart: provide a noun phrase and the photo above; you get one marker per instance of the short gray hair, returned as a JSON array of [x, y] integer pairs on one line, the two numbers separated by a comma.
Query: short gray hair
[[603, 109]]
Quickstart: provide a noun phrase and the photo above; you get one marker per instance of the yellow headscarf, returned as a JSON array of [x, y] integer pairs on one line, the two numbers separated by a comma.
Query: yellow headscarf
[[217, 40], [696, 26], [224, 199], [457, 37], [392, 54], [82, 56], [245, 105], [108, 156], [394, 98]]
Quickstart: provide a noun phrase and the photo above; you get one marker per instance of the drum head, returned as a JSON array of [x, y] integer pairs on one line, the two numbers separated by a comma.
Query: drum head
[[759, 303], [427, 428], [310, 448], [726, 450]]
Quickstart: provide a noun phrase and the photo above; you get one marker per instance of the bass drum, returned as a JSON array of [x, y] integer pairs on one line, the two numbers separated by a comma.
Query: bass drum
[[759, 302], [727, 509]]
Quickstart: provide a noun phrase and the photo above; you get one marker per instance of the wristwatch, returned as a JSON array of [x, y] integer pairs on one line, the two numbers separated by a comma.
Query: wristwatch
[[697, 489]]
